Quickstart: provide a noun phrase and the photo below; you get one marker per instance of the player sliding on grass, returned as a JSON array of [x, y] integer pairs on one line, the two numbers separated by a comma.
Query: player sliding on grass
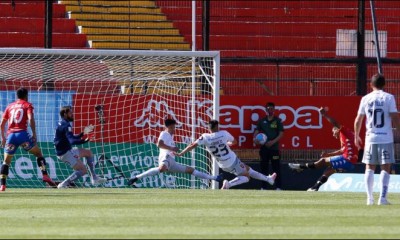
[[217, 144], [166, 159], [18, 114], [342, 159], [63, 141]]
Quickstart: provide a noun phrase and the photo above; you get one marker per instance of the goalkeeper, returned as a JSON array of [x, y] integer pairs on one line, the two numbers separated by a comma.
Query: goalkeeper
[[63, 141], [166, 158]]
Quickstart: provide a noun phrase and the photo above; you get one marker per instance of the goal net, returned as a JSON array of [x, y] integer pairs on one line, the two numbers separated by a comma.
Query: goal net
[[126, 95]]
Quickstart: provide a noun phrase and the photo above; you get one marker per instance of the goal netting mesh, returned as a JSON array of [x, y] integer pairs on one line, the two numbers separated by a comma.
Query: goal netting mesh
[[126, 95]]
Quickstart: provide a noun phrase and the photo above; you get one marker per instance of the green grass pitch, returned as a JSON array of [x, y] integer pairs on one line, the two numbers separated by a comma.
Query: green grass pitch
[[169, 213]]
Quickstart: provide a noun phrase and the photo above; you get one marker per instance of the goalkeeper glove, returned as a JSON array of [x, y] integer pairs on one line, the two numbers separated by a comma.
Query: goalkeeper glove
[[88, 129]]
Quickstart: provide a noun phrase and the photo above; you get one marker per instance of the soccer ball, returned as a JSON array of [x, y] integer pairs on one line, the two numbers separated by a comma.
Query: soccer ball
[[261, 138]]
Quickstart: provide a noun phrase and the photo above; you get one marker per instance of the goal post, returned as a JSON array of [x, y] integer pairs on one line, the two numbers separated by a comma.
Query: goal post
[[126, 95]]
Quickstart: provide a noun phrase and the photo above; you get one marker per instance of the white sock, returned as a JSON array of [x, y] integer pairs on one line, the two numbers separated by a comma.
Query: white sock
[[369, 182], [203, 175], [384, 183], [238, 180], [150, 172], [257, 175]]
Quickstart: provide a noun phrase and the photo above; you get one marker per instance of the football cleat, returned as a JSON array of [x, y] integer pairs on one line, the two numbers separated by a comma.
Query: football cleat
[[370, 202], [98, 180], [383, 201], [132, 181], [271, 178], [312, 190], [295, 166], [48, 180], [2, 188], [220, 178], [225, 185], [62, 185]]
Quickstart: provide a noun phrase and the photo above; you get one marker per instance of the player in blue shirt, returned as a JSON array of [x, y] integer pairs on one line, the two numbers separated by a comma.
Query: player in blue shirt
[[63, 141]]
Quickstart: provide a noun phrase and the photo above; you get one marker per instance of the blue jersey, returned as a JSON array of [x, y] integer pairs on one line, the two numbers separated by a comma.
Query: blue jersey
[[64, 138]]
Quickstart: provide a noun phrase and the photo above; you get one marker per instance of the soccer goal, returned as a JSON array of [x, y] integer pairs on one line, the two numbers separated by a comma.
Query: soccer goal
[[126, 95]]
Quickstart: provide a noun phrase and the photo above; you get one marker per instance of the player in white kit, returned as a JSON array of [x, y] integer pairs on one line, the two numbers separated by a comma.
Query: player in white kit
[[166, 159], [380, 110], [217, 143]]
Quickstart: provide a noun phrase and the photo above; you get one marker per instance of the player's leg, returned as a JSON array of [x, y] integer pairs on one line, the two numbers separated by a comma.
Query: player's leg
[[29, 144], [72, 158], [10, 148], [242, 175], [4, 170], [264, 164], [276, 168], [180, 168], [334, 163], [327, 173], [384, 178], [369, 182], [322, 162], [41, 161], [386, 154], [256, 175], [234, 182], [88, 155], [163, 166], [370, 159]]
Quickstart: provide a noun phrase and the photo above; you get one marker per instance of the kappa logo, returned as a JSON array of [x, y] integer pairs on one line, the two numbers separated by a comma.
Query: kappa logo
[[154, 113], [333, 185], [9, 147], [25, 145], [244, 118]]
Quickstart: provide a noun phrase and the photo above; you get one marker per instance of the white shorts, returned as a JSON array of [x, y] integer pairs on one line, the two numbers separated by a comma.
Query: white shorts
[[71, 157], [238, 168], [378, 154], [172, 165]]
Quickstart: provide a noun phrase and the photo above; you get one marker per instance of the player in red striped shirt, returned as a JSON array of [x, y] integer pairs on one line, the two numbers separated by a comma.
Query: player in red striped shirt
[[18, 114], [341, 159]]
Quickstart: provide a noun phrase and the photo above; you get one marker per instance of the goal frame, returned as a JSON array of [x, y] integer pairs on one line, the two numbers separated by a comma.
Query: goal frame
[[215, 55]]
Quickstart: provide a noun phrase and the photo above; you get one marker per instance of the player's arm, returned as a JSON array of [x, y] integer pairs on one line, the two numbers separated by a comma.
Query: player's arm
[[162, 145], [357, 128], [231, 143], [330, 119], [334, 153], [256, 131], [275, 140], [230, 140], [74, 139], [3, 131], [189, 148], [255, 134], [31, 120], [395, 120]]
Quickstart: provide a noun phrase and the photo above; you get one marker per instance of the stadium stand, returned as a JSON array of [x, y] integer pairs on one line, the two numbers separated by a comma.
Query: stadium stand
[[267, 29], [286, 29], [125, 25], [23, 26]]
